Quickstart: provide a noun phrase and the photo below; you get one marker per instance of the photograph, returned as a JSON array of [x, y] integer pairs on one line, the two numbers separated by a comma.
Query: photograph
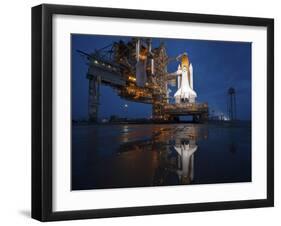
[[157, 111], [142, 112]]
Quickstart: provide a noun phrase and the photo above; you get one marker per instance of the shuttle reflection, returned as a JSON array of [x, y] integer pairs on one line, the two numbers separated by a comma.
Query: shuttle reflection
[[185, 150]]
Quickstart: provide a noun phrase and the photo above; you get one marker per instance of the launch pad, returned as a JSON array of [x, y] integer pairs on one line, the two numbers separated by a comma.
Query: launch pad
[[198, 111], [139, 73]]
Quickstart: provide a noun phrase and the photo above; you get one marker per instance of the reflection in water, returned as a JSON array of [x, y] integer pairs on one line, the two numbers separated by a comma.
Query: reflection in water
[[186, 161], [186, 146], [176, 148], [114, 156]]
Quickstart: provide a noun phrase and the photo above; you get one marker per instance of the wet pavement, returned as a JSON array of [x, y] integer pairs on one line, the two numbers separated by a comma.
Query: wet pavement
[[138, 155]]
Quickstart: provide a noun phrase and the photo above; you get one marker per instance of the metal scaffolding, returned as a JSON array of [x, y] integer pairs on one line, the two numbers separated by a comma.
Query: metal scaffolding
[[138, 72]]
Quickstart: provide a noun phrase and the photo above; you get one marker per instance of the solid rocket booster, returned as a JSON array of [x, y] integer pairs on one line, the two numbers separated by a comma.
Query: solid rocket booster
[[179, 77], [185, 92], [191, 75]]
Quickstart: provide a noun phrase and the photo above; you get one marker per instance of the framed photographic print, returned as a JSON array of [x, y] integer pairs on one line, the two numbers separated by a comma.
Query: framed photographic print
[[144, 112]]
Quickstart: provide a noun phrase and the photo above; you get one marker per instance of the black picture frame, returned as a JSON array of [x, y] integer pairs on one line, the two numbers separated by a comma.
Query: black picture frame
[[42, 111]]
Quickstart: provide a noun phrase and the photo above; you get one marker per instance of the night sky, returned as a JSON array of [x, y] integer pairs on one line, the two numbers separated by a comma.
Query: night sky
[[217, 65]]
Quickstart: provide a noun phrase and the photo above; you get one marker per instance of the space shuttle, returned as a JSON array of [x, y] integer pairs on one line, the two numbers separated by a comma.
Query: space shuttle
[[185, 92]]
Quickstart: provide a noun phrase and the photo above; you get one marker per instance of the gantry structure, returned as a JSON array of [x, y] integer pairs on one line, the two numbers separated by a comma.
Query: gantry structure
[[137, 72]]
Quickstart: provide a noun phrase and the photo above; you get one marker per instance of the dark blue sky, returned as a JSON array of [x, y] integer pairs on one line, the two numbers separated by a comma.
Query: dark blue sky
[[217, 66]]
